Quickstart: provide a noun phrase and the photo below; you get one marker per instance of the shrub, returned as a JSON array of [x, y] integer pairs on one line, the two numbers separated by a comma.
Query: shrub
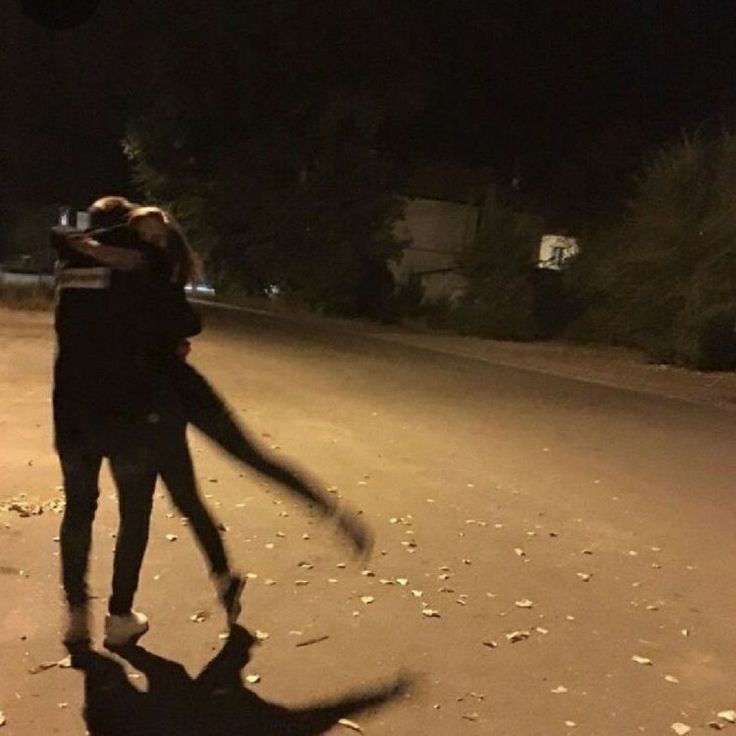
[[664, 279]]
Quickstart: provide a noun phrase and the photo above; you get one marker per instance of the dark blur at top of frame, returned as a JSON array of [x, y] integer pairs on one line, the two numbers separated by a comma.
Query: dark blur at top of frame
[[60, 14]]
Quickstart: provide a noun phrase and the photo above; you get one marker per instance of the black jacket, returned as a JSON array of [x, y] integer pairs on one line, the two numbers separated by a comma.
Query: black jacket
[[115, 333]]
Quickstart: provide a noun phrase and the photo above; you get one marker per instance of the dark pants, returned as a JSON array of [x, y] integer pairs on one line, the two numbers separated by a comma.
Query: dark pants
[[203, 408], [174, 463], [129, 450]]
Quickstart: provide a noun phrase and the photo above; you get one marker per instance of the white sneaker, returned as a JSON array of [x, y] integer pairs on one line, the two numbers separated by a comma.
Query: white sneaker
[[121, 630], [77, 627], [229, 587]]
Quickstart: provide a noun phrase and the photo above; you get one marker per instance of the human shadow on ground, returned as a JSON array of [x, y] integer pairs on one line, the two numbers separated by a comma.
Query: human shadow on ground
[[214, 703]]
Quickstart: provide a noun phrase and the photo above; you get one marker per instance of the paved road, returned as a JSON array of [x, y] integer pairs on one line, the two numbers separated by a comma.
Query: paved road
[[607, 514]]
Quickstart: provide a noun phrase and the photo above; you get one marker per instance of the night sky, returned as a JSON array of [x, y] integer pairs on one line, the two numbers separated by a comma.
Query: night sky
[[565, 94]]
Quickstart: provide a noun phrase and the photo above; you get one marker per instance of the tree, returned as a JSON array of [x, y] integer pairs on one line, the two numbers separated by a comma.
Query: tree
[[293, 180], [499, 299]]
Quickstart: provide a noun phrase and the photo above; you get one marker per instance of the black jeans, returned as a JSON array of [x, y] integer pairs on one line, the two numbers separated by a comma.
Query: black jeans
[[203, 408], [174, 464], [129, 449]]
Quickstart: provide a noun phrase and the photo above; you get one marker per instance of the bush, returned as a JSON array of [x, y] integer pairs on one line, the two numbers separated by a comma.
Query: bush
[[664, 279]]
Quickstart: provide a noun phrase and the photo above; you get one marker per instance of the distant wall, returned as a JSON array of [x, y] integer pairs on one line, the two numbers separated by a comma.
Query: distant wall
[[438, 232]]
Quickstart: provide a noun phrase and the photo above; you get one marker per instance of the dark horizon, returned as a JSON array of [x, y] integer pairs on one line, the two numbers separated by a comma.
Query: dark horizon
[[565, 97]]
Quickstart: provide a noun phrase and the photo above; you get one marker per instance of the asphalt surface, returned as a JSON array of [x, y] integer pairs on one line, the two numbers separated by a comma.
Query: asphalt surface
[[591, 523]]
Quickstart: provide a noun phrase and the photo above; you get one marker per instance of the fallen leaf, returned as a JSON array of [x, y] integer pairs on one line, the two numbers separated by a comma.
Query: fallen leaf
[[671, 678], [524, 603], [471, 716], [171, 537], [262, 635], [727, 715], [308, 642], [519, 552], [559, 690], [641, 660], [2, 719], [368, 573], [42, 667], [430, 613], [584, 576], [252, 679], [367, 599], [402, 581], [199, 616], [681, 728], [490, 644], [515, 636], [65, 663], [417, 593], [570, 724], [352, 725], [301, 582]]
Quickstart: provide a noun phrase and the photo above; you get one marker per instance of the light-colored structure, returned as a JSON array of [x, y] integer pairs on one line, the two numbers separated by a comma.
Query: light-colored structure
[[438, 232], [556, 251]]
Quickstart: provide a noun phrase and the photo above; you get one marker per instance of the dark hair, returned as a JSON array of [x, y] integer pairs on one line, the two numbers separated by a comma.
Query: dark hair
[[109, 211]]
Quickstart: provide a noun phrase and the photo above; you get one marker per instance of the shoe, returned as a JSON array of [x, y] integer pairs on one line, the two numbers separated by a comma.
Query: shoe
[[77, 627], [122, 630], [229, 588]]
